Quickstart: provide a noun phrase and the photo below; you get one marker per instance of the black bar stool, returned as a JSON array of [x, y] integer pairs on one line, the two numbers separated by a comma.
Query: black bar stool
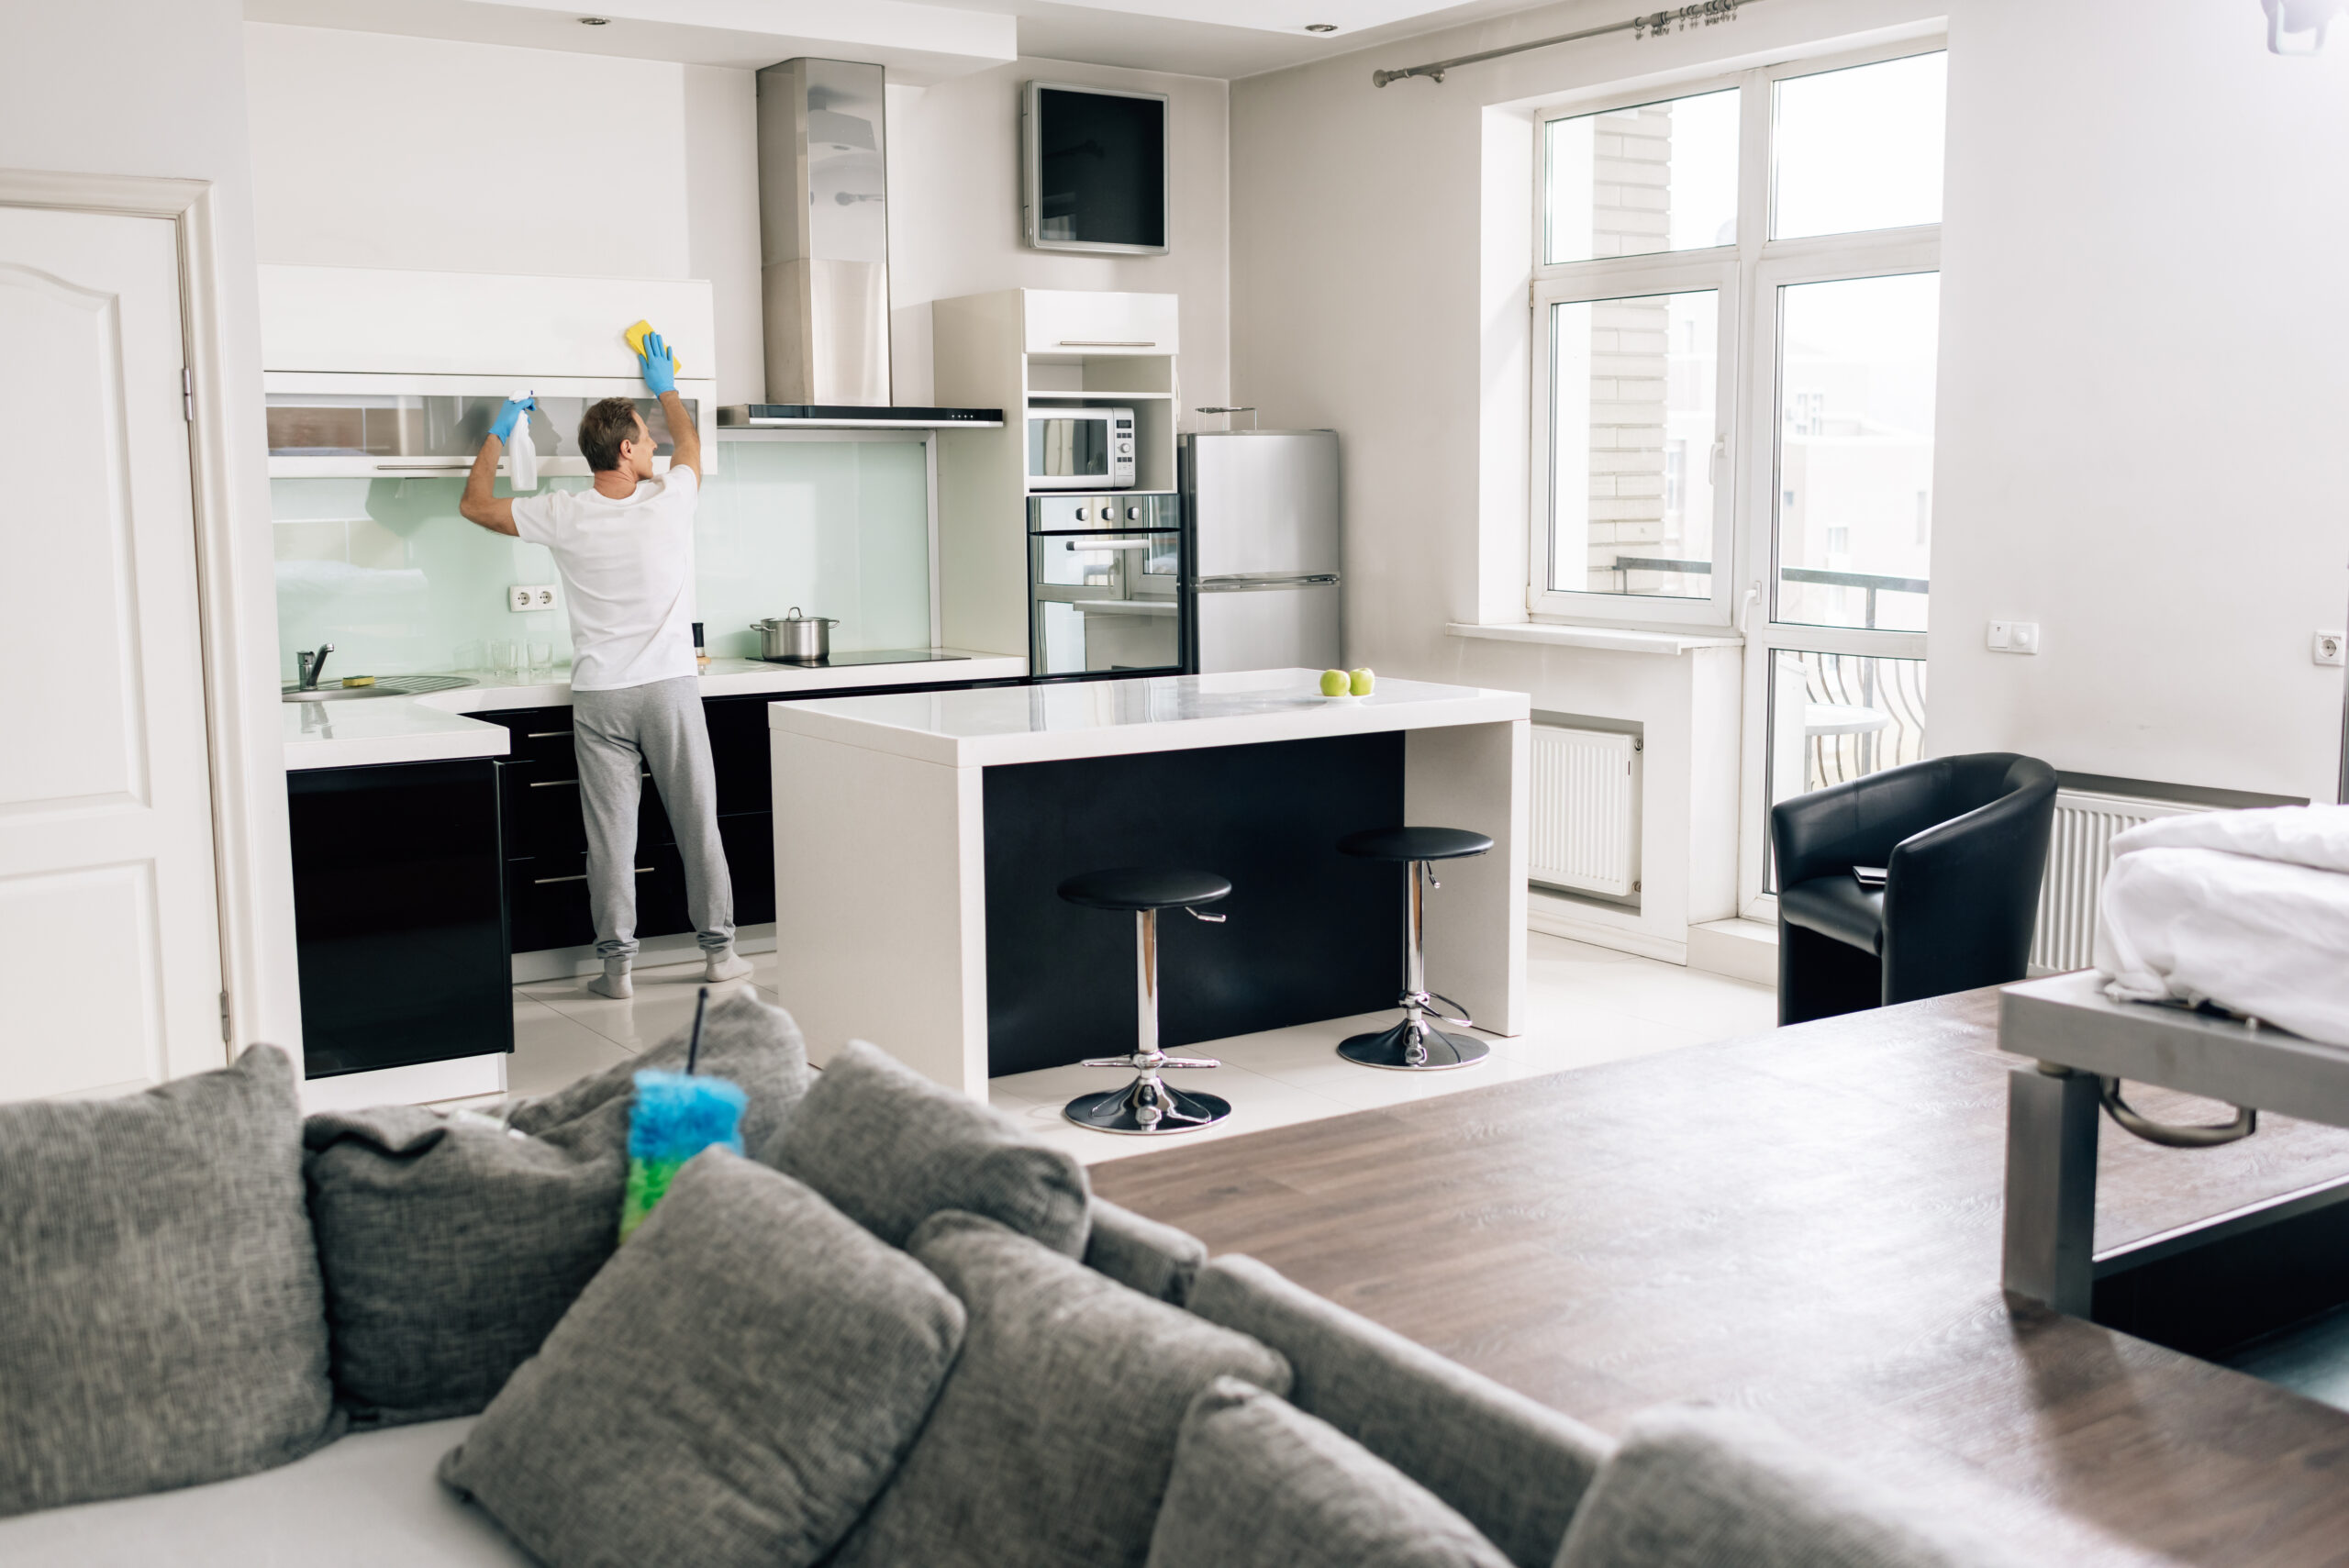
[[1415, 1045], [1147, 1105]]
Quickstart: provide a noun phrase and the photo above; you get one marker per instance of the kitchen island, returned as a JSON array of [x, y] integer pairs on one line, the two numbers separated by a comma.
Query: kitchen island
[[919, 837]]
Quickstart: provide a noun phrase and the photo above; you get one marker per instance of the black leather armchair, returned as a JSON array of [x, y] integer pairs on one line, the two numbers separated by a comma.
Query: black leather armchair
[[1963, 843]]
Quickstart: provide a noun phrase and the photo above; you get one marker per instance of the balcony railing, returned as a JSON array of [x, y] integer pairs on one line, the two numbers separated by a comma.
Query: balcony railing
[[1870, 582]]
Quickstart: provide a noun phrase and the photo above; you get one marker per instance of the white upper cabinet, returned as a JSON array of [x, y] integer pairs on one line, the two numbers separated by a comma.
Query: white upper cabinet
[[360, 320], [1065, 321]]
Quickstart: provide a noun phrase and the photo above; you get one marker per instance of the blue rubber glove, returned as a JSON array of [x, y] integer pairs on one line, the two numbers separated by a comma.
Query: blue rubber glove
[[659, 374], [508, 417]]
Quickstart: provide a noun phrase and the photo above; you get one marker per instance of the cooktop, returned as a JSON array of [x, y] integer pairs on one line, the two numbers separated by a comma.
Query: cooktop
[[872, 656]]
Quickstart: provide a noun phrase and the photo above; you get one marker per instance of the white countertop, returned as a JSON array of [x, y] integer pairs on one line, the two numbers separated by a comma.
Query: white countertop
[[1101, 719], [361, 733]]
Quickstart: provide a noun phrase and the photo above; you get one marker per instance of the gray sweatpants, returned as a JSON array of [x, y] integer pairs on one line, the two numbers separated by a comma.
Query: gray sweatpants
[[660, 727]]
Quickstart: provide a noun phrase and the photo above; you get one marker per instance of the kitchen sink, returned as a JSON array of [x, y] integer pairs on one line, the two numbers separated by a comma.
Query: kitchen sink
[[389, 687]]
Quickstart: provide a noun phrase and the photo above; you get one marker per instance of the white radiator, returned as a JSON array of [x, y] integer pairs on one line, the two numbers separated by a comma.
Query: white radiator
[[2079, 852], [1585, 811]]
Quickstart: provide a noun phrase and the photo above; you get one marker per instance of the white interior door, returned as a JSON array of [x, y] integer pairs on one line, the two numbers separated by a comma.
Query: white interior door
[[109, 939]]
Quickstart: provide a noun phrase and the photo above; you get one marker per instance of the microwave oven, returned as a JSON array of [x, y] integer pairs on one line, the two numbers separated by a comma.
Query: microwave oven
[[1080, 449]]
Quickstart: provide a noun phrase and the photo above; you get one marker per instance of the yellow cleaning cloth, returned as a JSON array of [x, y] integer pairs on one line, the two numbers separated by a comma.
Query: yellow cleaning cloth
[[635, 335]]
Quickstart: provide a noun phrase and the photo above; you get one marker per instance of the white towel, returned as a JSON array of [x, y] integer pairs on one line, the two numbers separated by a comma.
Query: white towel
[[2247, 909], [520, 453]]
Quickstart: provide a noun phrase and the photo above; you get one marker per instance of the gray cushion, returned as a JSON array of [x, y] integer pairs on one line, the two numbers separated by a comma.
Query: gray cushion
[[1513, 1468], [730, 1391], [1051, 1442], [1259, 1483], [1157, 1260], [452, 1245], [890, 1148], [160, 1319], [1699, 1488]]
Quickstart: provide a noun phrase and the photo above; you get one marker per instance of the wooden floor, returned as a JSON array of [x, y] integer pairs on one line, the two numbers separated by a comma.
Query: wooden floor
[[1806, 1223]]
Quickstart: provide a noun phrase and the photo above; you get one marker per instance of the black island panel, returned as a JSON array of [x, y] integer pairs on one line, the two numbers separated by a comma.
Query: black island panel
[[1312, 935]]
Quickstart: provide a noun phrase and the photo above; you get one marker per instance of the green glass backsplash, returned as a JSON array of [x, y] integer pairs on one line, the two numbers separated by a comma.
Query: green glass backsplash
[[386, 571]]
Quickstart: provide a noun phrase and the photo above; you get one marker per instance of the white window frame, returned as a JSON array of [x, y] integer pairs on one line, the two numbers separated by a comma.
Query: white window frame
[[1745, 422]]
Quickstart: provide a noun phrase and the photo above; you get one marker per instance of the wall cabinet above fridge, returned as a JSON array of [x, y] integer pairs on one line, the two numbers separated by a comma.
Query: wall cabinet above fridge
[[397, 374]]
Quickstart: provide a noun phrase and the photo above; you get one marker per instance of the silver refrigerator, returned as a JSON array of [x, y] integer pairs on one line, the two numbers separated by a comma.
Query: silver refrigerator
[[1262, 579]]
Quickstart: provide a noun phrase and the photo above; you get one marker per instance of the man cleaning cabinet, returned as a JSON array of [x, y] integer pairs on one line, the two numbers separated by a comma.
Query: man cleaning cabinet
[[625, 551]]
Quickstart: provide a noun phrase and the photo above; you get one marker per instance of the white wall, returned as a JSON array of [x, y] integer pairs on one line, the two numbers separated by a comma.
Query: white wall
[[119, 87], [954, 215], [2144, 386]]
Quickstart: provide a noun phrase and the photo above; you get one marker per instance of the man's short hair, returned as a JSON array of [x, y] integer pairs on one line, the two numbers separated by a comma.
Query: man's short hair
[[602, 430]]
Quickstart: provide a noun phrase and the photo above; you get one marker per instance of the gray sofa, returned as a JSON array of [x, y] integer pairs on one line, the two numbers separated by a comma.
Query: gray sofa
[[892, 1330]]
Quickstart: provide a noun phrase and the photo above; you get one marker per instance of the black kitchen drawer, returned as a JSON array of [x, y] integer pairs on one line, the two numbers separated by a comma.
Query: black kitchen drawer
[[543, 814], [538, 735], [749, 859], [400, 927], [547, 896]]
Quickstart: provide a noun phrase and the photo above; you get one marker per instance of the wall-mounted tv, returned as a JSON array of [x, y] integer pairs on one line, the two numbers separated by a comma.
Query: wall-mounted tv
[[1092, 169]]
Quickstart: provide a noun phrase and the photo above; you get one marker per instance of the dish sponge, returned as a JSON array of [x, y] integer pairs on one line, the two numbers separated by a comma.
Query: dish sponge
[[635, 335]]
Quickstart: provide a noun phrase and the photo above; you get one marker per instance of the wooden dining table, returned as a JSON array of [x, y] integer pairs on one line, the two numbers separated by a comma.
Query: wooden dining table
[[1805, 1223]]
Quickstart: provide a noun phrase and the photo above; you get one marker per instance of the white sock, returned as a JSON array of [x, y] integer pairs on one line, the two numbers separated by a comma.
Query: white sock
[[725, 965], [614, 982]]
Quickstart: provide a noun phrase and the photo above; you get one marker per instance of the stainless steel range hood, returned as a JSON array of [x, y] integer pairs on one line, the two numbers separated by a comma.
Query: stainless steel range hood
[[824, 252]]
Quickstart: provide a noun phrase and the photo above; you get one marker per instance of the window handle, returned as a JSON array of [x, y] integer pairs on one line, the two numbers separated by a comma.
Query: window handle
[[1713, 464], [1745, 610]]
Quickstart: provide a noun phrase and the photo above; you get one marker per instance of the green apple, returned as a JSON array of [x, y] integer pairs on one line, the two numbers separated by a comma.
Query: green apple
[[1362, 681], [1334, 683]]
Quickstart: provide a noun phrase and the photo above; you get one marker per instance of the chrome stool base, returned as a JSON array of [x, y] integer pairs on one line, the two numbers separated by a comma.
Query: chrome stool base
[[1430, 1050], [1147, 1106]]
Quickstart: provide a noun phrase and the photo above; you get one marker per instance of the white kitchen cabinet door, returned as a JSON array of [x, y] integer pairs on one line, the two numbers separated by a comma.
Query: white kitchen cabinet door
[[1066, 321], [109, 937]]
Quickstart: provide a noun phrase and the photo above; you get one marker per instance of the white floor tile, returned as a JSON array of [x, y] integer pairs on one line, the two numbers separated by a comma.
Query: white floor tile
[[551, 1050], [662, 1005]]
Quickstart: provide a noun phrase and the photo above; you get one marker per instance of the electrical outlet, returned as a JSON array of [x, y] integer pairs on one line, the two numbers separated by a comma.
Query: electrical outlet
[[522, 598], [2014, 637], [2328, 646]]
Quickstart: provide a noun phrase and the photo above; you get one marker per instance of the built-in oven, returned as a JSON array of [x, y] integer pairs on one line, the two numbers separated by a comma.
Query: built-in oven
[[1080, 449], [1105, 576]]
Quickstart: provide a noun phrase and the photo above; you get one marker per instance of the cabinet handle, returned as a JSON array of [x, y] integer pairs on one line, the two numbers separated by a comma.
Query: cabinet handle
[[544, 881], [421, 467], [552, 783], [545, 734], [1106, 344]]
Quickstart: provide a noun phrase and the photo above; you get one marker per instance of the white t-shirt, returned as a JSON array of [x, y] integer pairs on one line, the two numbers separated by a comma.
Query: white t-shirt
[[628, 578]]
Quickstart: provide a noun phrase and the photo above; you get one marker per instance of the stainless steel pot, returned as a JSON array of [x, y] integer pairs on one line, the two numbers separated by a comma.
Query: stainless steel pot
[[804, 638]]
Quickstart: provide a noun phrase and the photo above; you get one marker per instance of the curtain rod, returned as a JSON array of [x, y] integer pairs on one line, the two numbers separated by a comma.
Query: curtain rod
[[1653, 23]]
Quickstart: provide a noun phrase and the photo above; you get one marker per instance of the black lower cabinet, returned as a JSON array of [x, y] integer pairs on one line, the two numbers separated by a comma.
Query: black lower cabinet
[[546, 842], [399, 914]]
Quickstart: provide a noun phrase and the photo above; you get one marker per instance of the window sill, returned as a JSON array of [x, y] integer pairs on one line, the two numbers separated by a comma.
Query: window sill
[[1608, 638]]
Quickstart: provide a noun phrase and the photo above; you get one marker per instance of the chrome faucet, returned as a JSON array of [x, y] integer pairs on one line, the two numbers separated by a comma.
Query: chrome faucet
[[311, 663]]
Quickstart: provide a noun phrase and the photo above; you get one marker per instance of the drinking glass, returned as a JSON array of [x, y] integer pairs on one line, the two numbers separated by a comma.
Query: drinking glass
[[504, 655], [541, 658]]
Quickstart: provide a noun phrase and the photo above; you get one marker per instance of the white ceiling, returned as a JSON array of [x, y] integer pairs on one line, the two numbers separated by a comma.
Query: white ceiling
[[1227, 38], [919, 40]]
